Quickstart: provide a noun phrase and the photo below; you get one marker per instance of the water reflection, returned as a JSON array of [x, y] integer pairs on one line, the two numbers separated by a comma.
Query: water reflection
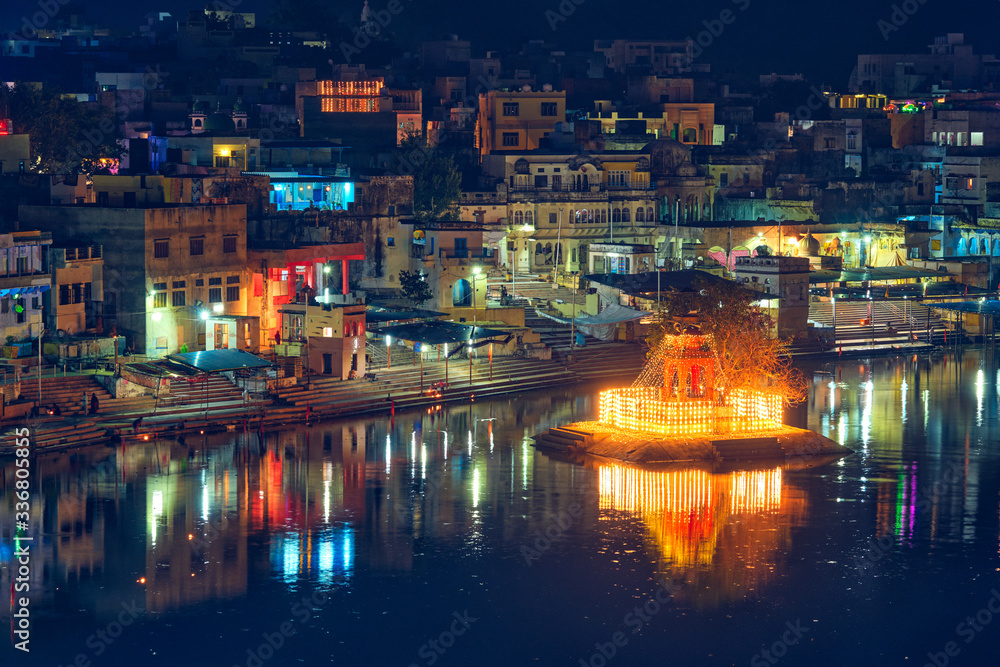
[[721, 533], [445, 501]]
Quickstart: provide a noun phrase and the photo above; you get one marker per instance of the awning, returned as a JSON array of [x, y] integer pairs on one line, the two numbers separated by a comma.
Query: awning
[[219, 361], [379, 315], [991, 307], [873, 273], [645, 285], [437, 332], [21, 291], [602, 326]]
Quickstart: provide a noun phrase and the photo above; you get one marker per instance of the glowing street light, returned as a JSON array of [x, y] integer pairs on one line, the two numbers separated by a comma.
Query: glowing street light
[[218, 308], [203, 314]]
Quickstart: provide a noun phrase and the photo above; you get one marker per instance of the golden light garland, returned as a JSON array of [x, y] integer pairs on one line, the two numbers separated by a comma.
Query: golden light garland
[[676, 395]]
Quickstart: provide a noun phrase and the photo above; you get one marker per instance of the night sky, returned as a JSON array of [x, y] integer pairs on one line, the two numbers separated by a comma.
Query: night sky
[[819, 39]]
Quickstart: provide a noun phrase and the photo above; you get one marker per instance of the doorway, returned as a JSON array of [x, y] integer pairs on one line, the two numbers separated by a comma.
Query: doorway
[[221, 336], [327, 364]]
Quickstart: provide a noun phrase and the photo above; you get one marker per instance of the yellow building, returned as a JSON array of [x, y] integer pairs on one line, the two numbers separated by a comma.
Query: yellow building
[[689, 123], [517, 120]]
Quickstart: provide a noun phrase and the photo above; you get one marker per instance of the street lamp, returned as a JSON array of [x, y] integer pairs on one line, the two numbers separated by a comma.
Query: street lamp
[[475, 278], [40, 334]]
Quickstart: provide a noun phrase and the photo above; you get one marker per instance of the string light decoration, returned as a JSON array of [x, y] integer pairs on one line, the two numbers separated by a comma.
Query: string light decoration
[[350, 96], [676, 394]]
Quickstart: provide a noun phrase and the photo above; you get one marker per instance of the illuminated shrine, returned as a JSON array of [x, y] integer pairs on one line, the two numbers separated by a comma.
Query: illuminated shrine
[[677, 394]]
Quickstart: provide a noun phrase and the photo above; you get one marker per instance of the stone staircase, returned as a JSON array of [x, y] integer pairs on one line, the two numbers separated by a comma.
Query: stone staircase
[[925, 325]]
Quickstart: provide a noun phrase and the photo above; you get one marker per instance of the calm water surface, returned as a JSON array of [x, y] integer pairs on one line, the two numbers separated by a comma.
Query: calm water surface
[[446, 539]]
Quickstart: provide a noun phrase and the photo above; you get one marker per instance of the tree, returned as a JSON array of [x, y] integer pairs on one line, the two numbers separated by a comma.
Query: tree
[[66, 135], [748, 357], [414, 287], [437, 182]]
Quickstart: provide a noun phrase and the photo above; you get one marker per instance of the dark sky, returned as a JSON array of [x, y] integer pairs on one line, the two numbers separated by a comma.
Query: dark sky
[[818, 38]]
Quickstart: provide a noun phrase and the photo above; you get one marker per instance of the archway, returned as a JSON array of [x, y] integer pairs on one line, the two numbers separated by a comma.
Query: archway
[[461, 295], [962, 249]]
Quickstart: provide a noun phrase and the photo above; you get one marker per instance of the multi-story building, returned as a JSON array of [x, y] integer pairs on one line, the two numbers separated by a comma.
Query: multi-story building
[[787, 280], [518, 120], [15, 149], [454, 262], [74, 304], [24, 277], [167, 269], [656, 57], [688, 123]]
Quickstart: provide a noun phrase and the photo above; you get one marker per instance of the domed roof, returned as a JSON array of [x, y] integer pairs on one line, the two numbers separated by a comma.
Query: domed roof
[[219, 122], [666, 155], [200, 106], [239, 106]]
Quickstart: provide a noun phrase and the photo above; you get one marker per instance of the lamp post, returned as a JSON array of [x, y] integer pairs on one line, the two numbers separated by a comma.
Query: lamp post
[[388, 352], [40, 334], [475, 279], [833, 300]]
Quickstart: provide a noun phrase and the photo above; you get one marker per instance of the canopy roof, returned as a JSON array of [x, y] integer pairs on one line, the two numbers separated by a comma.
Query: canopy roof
[[986, 307], [872, 273], [436, 332], [218, 361], [644, 284], [378, 315]]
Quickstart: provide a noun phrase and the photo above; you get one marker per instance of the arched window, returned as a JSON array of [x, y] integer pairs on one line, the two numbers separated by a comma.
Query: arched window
[[690, 136], [579, 216], [626, 214], [538, 248], [746, 177], [518, 218], [529, 218], [640, 214], [583, 215], [616, 215], [590, 215], [604, 216], [650, 216]]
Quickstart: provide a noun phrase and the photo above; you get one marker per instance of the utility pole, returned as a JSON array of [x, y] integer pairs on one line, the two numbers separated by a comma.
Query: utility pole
[[558, 254]]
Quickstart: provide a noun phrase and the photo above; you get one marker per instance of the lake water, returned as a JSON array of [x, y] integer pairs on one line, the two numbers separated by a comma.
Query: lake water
[[444, 538]]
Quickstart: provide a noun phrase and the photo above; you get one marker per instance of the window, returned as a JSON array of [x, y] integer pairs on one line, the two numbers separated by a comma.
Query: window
[[161, 248], [391, 242], [510, 139], [159, 286], [649, 214], [232, 280], [198, 246], [518, 217], [179, 299], [616, 215], [724, 179], [541, 181], [690, 136], [511, 109], [553, 219], [626, 214], [529, 218], [327, 332], [34, 301], [180, 284], [160, 300], [199, 282], [229, 243], [852, 142], [233, 293], [969, 183], [64, 295], [829, 142], [549, 108], [640, 214], [78, 293], [215, 295], [214, 281], [19, 310]]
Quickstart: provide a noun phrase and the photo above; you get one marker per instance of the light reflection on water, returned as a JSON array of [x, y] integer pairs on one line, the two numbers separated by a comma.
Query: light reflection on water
[[437, 511]]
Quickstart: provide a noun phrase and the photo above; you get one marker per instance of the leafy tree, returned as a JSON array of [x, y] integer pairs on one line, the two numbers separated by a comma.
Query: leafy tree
[[66, 135], [414, 287], [748, 357], [437, 182]]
